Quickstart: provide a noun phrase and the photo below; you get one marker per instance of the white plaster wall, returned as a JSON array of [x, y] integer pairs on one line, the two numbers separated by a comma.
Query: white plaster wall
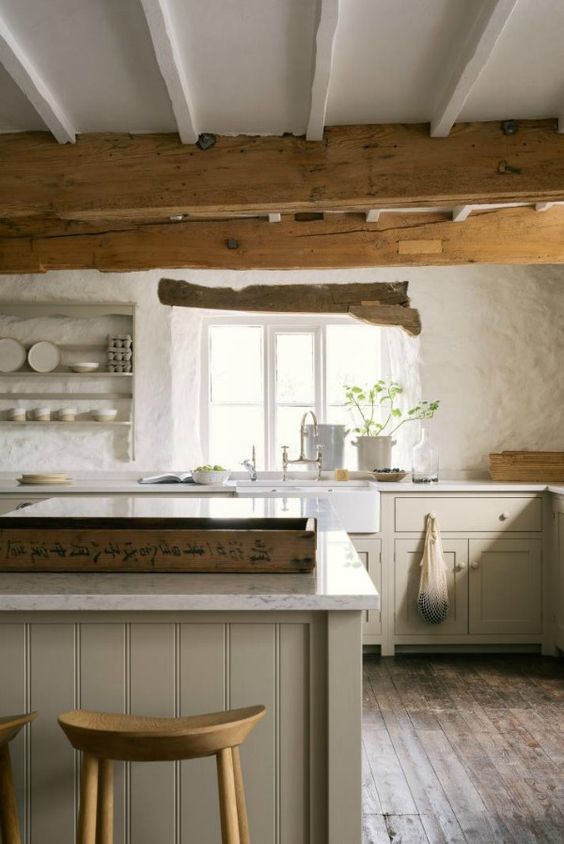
[[491, 350]]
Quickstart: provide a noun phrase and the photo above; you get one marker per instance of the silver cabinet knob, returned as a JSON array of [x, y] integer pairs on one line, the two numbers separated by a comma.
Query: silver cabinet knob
[[475, 564], [504, 516]]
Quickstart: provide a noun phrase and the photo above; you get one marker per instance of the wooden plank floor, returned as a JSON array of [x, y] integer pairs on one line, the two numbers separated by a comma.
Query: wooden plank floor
[[463, 748]]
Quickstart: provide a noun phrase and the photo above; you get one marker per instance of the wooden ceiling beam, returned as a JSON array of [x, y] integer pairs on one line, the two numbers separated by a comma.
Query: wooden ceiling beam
[[508, 236], [470, 61], [169, 59], [324, 46], [122, 177], [28, 79]]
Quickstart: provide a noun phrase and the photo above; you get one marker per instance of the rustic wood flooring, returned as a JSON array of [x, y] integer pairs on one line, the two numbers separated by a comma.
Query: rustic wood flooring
[[463, 748]]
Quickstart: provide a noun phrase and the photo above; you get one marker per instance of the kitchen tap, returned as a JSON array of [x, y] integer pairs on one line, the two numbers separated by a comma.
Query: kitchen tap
[[318, 460], [250, 465]]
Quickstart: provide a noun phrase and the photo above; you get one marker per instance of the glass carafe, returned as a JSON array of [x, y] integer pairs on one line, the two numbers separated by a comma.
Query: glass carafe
[[425, 460]]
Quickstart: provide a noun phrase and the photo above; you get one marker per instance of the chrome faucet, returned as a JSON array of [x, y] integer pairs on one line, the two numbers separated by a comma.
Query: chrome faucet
[[250, 465], [318, 460]]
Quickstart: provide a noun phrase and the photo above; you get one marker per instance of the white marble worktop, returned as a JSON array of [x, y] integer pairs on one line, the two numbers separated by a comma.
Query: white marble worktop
[[339, 581], [462, 486], [130, 486]]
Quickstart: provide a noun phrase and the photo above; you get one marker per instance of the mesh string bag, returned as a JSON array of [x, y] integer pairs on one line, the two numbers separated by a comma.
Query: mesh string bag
[[432, 600]]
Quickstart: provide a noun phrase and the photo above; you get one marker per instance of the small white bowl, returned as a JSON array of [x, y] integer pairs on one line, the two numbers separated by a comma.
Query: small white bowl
[[16, 414], [105, 414], [43, 414], [84, 366], [210, 477], [67, 414]]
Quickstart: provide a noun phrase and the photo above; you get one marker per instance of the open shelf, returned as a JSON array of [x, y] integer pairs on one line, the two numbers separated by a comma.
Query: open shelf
[[60, 424], [25, 373]]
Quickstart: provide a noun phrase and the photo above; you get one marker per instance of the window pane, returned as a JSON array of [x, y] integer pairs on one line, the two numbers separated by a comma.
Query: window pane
[[353, 357], [288, 431], [294, 368], [233, 432], [236, 363]]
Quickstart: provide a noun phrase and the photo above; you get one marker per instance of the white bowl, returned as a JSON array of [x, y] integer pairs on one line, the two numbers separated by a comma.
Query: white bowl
[[17, 414], [210, 477], [43, 414], [105, 414], [67, 414], [84, 366]]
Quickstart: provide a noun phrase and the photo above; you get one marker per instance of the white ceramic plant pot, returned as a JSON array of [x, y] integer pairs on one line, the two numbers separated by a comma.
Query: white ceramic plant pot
[[374, 452]]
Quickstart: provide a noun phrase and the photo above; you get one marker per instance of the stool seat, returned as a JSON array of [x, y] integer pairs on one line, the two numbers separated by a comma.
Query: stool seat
[[133, 738], [105, 737], [10, 725]]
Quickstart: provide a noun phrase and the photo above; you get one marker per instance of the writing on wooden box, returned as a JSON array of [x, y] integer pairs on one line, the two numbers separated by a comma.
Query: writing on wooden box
[[156, 550]]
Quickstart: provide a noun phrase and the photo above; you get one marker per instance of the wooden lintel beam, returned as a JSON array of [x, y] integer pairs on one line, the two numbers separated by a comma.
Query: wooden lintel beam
[[508, 236], [376, 303], [119, 177]]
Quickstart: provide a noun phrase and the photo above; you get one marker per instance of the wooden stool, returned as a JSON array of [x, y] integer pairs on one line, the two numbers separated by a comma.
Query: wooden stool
[[103, 737], [9, 826]]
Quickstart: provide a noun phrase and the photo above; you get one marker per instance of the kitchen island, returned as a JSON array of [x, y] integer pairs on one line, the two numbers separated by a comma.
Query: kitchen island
[[178, 644]]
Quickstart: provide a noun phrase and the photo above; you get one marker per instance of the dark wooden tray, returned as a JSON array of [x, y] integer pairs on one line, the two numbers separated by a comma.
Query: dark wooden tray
[[285, 545]]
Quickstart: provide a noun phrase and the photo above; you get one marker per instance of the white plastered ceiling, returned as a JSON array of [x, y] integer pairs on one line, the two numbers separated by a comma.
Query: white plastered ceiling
[[248, 66]]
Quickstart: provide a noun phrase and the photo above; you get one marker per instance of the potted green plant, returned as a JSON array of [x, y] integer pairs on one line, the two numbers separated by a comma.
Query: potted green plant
[[378, 419]]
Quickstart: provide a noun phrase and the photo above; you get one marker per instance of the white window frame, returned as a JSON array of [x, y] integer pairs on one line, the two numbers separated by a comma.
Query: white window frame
[[272, 324]]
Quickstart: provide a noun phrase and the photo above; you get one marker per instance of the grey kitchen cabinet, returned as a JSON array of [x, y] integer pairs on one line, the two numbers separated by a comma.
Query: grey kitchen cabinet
[[369, 550], [505, 587], [407, 575], [558, 579]]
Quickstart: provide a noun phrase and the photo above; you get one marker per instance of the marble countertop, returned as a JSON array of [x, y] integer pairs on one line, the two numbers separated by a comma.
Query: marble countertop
[[339, 581], [130, 486]]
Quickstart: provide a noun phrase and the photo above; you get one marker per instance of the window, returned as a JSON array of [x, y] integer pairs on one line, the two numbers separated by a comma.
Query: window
[[261, 375]]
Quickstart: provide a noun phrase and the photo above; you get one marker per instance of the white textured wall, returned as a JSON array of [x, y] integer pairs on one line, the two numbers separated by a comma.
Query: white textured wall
[[491, 350]]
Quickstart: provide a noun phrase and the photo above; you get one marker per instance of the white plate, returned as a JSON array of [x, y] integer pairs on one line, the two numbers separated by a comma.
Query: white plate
[[45, 476], [44, 356], [59, 482], [12, 355]]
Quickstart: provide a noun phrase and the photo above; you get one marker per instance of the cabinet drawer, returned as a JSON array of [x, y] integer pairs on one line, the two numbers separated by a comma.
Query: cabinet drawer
[[466, 514]]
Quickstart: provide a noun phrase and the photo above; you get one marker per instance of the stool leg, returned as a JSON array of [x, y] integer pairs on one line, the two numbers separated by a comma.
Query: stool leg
[[105, 817], [227, 797], [9, 825], [240, 796], [88, 800]]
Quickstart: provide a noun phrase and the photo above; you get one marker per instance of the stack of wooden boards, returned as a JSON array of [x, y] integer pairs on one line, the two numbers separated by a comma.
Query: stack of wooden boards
[[533, 466]]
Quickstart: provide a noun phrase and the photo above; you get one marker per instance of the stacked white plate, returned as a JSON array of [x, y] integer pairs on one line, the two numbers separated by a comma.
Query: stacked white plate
[[45, 478], [12, 355], [44, 356]]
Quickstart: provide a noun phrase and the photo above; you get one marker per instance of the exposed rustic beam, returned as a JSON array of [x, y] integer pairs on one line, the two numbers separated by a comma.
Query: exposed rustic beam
[[508, 236], [324, 46], [376, 303], [469, 63], [22, 70], [161, 29], [113, 177]]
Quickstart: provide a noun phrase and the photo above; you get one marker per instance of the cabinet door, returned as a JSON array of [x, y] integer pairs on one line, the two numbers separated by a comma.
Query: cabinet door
[[407, 576], [369, 551], [559, 573], [505, 586]]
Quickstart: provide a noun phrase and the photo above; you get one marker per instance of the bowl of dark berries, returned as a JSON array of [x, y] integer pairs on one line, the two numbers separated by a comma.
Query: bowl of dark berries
[[389, 475]]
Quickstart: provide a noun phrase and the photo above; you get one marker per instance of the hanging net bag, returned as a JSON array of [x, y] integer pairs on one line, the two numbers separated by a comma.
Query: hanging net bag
[[432, 600]]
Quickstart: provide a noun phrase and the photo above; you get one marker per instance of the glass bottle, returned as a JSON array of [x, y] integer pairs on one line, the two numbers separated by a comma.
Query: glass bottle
[[425, 460]]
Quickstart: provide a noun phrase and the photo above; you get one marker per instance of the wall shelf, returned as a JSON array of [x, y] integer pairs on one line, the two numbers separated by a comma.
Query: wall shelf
[[59, 424], [67, 324], [62, 373]]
